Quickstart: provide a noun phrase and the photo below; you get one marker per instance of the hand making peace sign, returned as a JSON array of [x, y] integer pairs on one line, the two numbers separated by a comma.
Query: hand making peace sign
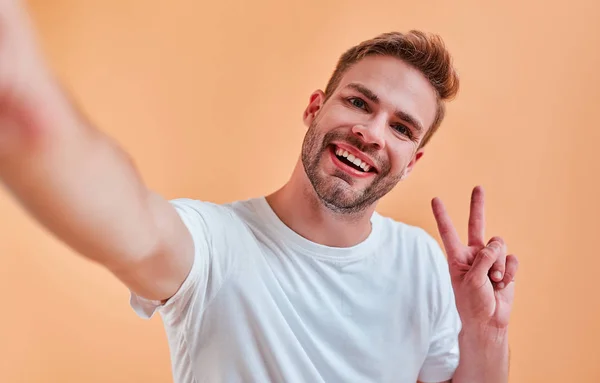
[[482, 274]]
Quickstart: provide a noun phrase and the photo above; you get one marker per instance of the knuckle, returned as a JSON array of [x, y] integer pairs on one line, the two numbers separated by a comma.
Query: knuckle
[[512, 263], [487, 254], [508, 276], [497, 243], [454, 264]]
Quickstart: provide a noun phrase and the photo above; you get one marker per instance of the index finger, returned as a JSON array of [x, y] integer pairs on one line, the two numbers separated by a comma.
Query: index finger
[[447, 231]]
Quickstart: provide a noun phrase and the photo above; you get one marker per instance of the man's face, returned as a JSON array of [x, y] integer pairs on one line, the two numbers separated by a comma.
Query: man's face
[[376, 118]]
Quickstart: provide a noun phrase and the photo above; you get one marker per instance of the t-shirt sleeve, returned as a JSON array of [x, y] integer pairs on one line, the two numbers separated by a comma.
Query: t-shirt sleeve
[[209, 225], [443, 355]]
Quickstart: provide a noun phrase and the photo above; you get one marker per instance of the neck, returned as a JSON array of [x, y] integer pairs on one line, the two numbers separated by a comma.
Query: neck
[[298, 206]]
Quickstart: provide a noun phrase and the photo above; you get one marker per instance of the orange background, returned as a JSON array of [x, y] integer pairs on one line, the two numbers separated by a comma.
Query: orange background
[[208, 98]]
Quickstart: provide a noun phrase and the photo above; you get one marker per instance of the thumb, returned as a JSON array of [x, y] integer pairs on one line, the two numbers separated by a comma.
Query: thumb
[[484, 260]]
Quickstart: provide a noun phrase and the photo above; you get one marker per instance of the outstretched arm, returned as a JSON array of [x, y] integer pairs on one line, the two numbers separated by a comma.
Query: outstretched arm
[[76, 181]]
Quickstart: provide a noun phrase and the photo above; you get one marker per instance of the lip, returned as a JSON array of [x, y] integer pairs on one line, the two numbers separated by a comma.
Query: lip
[[347, 168], [356, 153]]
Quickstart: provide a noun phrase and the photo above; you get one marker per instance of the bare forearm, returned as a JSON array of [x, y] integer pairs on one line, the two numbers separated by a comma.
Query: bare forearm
[[484, 356], [76, 181]]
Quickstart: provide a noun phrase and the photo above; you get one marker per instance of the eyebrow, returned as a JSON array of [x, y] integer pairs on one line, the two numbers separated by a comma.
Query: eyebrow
[[368, 93]]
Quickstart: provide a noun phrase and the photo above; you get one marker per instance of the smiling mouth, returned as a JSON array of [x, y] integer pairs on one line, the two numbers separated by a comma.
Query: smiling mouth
[[352, 161]]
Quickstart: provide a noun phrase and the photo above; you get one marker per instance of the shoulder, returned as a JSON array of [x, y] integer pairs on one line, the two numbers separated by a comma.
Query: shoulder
[[201, 207], [210, 223], [210, 213]]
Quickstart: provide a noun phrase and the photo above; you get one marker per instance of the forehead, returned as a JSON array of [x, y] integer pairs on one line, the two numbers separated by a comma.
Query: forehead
[[397, 84]]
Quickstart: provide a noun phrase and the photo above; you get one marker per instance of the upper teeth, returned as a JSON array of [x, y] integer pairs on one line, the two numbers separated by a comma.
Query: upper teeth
[[355, 160]]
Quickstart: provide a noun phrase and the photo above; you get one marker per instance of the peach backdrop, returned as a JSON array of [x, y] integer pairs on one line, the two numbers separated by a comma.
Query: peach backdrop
[[208, 98]]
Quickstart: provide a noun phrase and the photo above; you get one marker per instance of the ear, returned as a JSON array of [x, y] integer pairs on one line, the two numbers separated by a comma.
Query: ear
[[413, 162], [317, 98]]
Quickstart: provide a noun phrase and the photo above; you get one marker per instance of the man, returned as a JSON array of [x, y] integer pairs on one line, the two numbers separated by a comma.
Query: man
[[307, 284]]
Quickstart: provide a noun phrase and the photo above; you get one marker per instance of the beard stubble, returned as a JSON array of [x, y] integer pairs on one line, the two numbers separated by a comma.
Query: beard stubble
[[337, 191]]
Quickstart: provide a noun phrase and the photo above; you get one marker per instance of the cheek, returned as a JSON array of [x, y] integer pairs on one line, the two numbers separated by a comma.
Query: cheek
[[398, 165], [400, 155]]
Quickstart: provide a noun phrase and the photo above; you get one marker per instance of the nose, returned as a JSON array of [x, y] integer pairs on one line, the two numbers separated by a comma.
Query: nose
[[372, 133]]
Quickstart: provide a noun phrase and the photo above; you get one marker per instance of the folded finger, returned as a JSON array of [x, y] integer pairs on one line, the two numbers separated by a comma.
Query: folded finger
[[499, 267], [512, 265], [484, 260]]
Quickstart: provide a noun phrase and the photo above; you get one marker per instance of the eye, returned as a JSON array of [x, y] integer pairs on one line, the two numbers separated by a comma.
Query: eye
[[402, 129], [357, 102]]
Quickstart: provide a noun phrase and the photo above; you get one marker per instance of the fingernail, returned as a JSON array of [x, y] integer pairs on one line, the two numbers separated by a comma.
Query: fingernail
[[494, 245], [497, 275], [501, 285]]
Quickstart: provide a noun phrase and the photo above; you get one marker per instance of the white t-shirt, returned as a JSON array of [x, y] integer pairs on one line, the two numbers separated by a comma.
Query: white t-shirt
[[264, 304]]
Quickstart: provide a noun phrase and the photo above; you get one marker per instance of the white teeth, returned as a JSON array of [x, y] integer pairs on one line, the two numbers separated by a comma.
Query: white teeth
[[355, 160]]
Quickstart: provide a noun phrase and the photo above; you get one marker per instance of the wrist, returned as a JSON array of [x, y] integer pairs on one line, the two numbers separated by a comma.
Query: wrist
[[484, 334], [483, 355], [487, 345]]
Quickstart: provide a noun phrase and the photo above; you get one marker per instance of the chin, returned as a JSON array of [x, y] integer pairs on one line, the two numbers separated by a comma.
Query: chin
[[338, 188], [339, 194]]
